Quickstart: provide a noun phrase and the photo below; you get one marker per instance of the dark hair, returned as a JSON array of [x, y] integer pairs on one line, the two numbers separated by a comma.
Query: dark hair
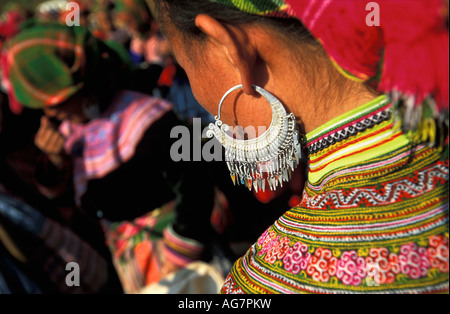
[[108, 72], [182, 14]]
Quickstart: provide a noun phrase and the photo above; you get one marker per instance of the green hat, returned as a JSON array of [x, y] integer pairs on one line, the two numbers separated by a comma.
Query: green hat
[[49, 63]]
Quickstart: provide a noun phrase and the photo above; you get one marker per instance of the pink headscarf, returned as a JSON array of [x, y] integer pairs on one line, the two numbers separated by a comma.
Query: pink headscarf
[[407, 53]]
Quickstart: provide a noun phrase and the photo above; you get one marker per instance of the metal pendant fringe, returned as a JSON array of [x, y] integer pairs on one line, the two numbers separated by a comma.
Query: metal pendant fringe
[[268, 159]]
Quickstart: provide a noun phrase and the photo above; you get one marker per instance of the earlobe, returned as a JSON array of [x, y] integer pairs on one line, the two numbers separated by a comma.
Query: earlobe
[[236, 48]]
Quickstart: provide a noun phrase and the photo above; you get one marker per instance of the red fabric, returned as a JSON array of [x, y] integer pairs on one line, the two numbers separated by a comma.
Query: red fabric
[[11, 24], [413, 36], [416, 49], [167, 75], [265, 196], [341, 28]]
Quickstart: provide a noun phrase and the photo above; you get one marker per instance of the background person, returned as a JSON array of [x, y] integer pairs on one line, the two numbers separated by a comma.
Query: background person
[[116, 142]]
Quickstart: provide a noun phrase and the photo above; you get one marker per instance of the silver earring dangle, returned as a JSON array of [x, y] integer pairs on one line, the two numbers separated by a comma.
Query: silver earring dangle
[[269, 158]]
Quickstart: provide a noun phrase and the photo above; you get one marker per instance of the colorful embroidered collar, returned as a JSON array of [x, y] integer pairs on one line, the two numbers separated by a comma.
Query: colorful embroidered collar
[[325, 152]]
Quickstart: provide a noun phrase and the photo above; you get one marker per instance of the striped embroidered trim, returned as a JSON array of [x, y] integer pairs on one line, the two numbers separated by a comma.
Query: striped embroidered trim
[[353, 123], [180, 250]]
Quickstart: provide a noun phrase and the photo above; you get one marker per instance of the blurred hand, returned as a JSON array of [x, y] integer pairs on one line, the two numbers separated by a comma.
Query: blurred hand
[[50, 141]]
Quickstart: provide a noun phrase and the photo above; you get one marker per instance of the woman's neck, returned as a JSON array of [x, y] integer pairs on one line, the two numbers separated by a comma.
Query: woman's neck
[[321, 94], [328, 107]]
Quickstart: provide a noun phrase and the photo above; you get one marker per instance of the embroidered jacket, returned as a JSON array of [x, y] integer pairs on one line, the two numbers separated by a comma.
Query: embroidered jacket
[[373, 217]]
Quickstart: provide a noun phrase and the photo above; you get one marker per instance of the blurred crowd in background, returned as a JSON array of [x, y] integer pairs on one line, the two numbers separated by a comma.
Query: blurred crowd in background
[[130, 24], [126, 232]]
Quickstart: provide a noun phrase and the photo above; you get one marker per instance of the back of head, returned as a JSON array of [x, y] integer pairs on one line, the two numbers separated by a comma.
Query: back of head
[[182, 15]]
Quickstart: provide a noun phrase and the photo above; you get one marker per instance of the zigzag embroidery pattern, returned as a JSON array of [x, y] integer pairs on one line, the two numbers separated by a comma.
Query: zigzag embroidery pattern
[[392, 191]]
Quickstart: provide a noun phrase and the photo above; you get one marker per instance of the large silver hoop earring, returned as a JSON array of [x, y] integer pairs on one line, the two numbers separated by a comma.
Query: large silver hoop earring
[[270, 157]]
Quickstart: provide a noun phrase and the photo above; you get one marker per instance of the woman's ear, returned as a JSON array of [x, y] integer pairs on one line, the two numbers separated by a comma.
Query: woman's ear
[[236, 46]]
